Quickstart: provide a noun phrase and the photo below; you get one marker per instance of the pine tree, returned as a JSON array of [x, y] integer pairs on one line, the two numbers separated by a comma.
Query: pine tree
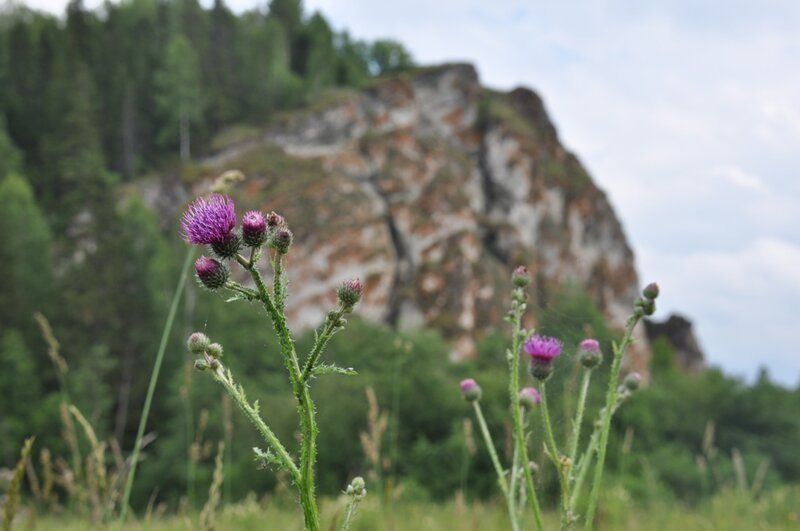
[[179, 96], [10, 155]]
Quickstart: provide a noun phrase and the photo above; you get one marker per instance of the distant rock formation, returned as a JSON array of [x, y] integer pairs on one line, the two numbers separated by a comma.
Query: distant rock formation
[[432, 188], [679, 332]]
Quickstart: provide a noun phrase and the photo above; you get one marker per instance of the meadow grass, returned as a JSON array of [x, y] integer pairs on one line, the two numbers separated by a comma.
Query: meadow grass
[[776, 510]]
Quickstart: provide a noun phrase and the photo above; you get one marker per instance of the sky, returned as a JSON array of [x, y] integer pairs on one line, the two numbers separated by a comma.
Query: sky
[[686, 112]]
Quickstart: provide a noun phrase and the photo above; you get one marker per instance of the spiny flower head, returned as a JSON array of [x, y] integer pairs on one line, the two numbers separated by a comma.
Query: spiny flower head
[[651, 291], [543, 350], [197, 343], [349, 292], [529, 397], [520, 277], [209, 221], [632, 381], [211, 273], [254, 229], [589, 353], [275, 220], [470, 389]]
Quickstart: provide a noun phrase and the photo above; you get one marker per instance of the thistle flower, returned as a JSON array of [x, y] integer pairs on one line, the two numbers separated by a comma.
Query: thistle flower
[[197, 343], [651, 291], [254, 229], [520, 277], [209, 221], [281, 240], [471, 390], [543, 350], [349, 293], [589, 353], [632, 381], [529, 397], [215, 350], [275, 220], [211, 273]]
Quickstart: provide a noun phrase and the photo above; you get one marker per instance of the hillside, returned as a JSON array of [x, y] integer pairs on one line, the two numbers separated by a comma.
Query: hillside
[[430, 188]]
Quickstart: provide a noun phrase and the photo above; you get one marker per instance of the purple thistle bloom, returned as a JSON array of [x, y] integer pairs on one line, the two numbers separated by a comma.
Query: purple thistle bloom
[[209, 221], [543, 348], [589, 353], [254, 228], [520, 277], [529, 397], [470, 389], [349, 292]]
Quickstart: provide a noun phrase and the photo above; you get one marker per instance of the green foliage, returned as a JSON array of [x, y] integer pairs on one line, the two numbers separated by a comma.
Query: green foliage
[[10, 155]]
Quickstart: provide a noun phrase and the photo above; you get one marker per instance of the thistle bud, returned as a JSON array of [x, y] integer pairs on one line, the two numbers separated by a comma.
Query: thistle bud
[[651, 291], [471, 390], [349, 293], [632, 381], [214, 350], [357, 488], [200, 364], [210, 272], [254, 229], [281, 240], [275, 220], [197, 343], [529, 397], [520, 277], [228, 246], [589, 353]]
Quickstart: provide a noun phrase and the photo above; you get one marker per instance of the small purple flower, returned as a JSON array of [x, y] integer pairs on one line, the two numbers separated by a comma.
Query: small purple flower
[[349, 292], [589, 353], [543, 350], [211, 273], [470, 389], [209, 221], [520, 277], [254, 229], [529, 397]]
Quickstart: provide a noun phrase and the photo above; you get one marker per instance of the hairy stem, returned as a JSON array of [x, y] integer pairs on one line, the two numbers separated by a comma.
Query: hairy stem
[[487, 437], [576, 425], [605, 423], [561, 466], [513, 390]]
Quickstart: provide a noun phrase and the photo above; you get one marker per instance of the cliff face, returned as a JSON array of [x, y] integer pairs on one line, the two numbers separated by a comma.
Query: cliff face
[[431, 189]]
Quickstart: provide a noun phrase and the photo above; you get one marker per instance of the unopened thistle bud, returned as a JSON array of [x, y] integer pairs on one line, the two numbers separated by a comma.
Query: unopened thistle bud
[[210, 272], [520, 277], [214, 350], [349, 293], [651, 291], [228, 246], [589, 353], [198, 343], [357, 488], [254, 229], [542, 350], [529, 397], [470, 390], [275, 220], [200, 364], [281, 240], [632, 381], [645, 306]]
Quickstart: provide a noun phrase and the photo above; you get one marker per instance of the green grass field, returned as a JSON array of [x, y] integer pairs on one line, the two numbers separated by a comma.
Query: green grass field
[[776, 510]]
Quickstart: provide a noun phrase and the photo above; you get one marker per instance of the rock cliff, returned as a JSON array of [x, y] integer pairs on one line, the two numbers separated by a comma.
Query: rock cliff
[[431, 189]]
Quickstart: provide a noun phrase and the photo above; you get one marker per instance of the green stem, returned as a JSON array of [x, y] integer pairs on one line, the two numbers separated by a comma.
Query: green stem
[[605, 426], [576, 426], [305, 406], [513, 389], [513, 489], [224, 377], [162, 347], [487, 437], [561, 466], [328, 331]]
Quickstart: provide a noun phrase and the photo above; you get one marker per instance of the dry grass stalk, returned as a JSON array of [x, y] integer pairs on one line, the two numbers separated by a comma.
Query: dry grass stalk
[[12, 501], [377, 423], [208, 516]]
